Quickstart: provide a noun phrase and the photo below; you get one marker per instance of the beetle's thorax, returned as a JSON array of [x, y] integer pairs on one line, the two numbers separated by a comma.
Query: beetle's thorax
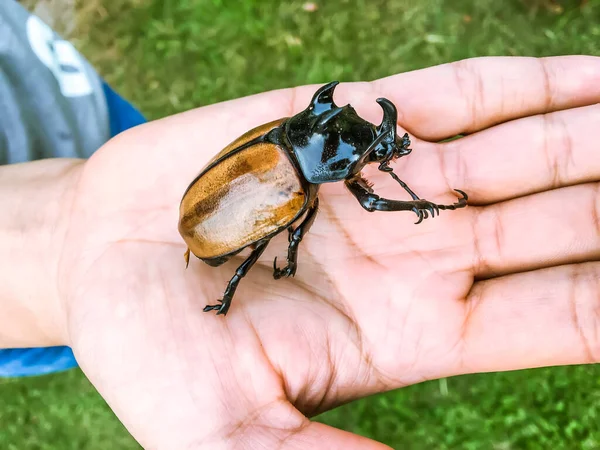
[[329, 144]]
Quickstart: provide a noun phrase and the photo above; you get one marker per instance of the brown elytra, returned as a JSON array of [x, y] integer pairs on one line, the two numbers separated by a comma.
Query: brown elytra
[[248, 195], [246, 137]]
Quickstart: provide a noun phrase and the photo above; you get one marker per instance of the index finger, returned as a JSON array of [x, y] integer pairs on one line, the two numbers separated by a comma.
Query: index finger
[[433, 103], [442, 101], [467, 96]]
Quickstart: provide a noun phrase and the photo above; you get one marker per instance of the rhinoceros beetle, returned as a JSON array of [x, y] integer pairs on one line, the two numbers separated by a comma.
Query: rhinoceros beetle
[[269, 178]]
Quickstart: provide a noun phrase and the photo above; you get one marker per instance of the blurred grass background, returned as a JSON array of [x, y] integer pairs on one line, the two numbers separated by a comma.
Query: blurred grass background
[[168, 56]]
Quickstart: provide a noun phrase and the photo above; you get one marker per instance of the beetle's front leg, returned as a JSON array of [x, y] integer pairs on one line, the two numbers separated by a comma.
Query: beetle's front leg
[[372, 202], [240, 273], [295, 237], [385, 168]]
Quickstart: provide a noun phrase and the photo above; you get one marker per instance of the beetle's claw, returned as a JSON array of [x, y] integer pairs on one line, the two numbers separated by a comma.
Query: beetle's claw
[[221, 308], [424, 209], [287, 271], [465, 197], [276, 270], [461, 203], [208, 308], [419, 214]]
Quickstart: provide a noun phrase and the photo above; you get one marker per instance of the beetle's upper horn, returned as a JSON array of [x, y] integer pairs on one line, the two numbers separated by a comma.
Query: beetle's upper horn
[[323, 98], [390, 117]]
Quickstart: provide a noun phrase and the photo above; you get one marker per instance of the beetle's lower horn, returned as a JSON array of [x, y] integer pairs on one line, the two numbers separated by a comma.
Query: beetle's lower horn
[[390, 117]]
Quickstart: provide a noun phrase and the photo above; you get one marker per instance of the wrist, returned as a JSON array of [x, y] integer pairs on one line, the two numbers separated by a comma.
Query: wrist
[[34, 200]]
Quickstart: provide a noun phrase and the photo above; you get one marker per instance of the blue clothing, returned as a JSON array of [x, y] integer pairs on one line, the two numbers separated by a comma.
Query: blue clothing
[[121, 114], [53, 104]]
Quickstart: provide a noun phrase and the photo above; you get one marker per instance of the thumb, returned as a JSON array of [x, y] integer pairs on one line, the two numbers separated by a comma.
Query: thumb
[[315, 436]]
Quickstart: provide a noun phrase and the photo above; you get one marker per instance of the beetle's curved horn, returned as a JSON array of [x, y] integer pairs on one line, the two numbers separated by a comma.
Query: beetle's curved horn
[[323, 98], [390, 117]]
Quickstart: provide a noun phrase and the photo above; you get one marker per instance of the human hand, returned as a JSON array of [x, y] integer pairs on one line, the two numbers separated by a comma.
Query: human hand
[[377, 302]]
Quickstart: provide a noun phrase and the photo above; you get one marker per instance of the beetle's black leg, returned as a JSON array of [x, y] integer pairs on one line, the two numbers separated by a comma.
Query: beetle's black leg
[[240, 273], [372, 202], [385, 168], [294, 238]]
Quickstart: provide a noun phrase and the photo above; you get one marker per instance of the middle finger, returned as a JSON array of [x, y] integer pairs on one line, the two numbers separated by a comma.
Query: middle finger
[[525, 156]]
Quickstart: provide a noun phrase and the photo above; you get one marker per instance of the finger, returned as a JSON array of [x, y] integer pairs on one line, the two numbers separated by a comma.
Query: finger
[[433, 103], [182, 144], [317, 435], [525, 156], [466, 96], [541, 318], [548, 229]]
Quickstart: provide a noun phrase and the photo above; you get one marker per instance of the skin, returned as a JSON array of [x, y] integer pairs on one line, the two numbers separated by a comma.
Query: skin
[[377, 302]]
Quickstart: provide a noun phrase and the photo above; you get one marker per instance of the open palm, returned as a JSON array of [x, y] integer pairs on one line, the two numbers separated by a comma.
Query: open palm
[[377, 302]]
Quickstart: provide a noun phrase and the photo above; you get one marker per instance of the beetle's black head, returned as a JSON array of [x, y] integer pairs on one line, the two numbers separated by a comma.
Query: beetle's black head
[[387, 145]]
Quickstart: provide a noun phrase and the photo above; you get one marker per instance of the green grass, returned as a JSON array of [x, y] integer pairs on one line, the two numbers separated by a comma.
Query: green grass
[[170, 56], [551, 408], [173, 55], [60, 411]]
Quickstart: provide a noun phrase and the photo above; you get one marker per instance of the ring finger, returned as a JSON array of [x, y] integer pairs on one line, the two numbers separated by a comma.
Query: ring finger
[[557, 227]]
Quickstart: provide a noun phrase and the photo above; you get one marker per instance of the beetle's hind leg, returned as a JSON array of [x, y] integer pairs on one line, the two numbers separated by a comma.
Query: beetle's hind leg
[[295, 237], [240, 273]]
